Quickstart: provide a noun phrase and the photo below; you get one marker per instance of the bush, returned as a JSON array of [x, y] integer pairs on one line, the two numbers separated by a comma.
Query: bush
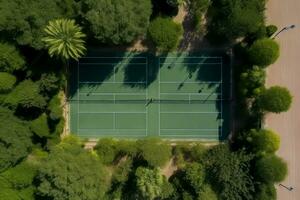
[[126, 148], [271, 169], [155, 151], [116, 22], [10, 58], [164, 33], [276, 99], [49, 84], [55, 109], [106, 150], [271, 29], [198, 10], [252, 82], [194, 176], [40, 127], [7, 82], [263, 52], [266, 192], [121, 174], [26, 95], [206, 193], [197, 152], [263, 141], [15, 139]]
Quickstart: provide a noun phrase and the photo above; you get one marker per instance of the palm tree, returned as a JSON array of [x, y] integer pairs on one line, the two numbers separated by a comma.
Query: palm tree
[[64, 39]]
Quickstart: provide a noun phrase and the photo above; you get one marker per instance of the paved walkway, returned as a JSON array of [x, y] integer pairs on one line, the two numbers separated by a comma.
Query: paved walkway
[[286, 72]]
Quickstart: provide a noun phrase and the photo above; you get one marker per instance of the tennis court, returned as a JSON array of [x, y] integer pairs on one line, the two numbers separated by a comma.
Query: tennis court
[[134, 95]]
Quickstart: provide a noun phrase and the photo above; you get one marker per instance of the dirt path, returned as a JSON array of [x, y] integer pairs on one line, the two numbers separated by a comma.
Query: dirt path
[[286, 72]]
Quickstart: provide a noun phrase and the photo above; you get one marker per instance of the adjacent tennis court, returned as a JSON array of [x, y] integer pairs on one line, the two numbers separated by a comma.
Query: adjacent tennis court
[[133, 95]]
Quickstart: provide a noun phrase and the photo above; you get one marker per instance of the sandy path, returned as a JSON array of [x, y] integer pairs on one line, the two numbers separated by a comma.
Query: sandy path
[[286, 72]]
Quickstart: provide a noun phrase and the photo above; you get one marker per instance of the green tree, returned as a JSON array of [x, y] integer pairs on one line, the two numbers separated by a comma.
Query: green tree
[[15, 139], [271, 169], [106, 150], [55, 109], [25, 95], [70, 172], [252, 82], [40, 126], [7, 82], [64, 39], [231, 19], [155, 151], [116, 22], [49, 84], [164, 33], [194, 175], [271, 29], [10, 59], [198, 9], [263, 52], [149, 183], [23, 21], [263, 141], [229, 172], [275, 99], [207, 193], [266, 192]]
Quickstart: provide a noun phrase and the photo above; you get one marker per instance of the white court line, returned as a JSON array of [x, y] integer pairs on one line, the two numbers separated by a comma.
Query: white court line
[[159, 98], [184, 129], [111, 57], [191, 57], [198, 82], [78, 94], [112, 112], [103, 129], [191, 112], [194, 94], [147, 96], [112, 63], [180, 63], [221, 98], [95, 82], [117, 93]]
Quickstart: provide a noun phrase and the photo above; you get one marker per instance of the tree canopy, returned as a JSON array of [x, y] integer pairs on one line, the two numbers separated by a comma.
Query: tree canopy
[[263, 141], [275, 99], [164, 33], [15, 139], [64, 39], [24, 21], [264, 52], [7, 82], [10, 58], [70, 172], [271, 169], [116, 22], [231, 19]]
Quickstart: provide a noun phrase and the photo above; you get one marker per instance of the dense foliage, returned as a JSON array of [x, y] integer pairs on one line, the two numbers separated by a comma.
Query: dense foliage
[[231, 19], [116, 22], [271, 169], [264, 52], [64, 174], [7, 82], [275, 99], [15, 139], [24, 21], [40, 126], [10, 58], [164, 33]]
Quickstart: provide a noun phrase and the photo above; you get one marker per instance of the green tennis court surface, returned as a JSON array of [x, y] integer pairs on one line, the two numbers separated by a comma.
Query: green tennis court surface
[[133, 95]]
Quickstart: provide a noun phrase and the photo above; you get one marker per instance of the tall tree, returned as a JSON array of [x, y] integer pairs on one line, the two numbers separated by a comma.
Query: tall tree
[[64, 39]]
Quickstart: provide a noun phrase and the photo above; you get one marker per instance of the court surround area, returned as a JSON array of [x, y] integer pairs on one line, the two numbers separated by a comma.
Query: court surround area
[[134, 95]]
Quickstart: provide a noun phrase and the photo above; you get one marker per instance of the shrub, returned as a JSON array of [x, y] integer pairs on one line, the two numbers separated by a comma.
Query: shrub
[[197, 152], [252, 82], [10, 58], [121, 174], [194, 176], [206, 193], [271, 29], [55, 109], [103, 19], [40, 127], [266, 192], [263, 52], [126, 147], [154, 151], [198, 10], [164, 33], [271, 169], [106, 150], [26, 95], [49, 84], [276, 99], [263, 141], [7, 82], [15, 139]]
